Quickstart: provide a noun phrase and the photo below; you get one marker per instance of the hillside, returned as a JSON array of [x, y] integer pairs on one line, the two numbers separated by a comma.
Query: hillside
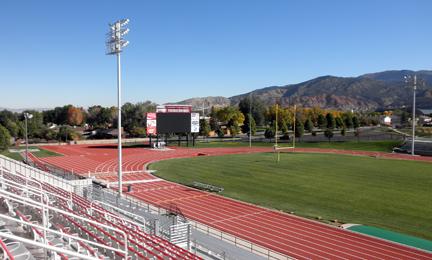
[[383, 90]]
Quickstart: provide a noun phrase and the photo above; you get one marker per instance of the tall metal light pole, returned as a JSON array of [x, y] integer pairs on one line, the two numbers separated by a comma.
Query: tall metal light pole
[[405, 116], [250, 121], [27, 116], [414, 82], [114, 45]]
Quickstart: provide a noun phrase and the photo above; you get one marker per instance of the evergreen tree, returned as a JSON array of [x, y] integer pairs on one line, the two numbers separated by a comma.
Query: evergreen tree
[[4, 138], [258, 109], [309, 126], [343, 132], [356, 122], [349, 122], [246, 125], [322, 122], [270, 132], [331, 122], [220, 132], [299, 128], [204, 128], [339, 122], [328, 133], [213, 119], [283, 127]]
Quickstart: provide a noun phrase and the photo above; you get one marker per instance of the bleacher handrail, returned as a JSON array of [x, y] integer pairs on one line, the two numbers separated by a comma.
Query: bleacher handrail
[[144, 220], [45, 246], [41, 191], [30, 202], [29, 171]]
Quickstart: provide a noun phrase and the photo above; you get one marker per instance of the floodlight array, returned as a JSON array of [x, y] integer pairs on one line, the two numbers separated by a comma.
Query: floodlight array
[[114, 40], [414, 82]]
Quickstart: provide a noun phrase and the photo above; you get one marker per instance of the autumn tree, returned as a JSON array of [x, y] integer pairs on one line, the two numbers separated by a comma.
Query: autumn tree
[[358, 133], [282, 114], [74, 116], [227, 113]]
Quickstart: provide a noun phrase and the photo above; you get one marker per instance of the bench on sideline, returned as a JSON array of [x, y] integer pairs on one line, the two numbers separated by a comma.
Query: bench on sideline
[[207, 185]]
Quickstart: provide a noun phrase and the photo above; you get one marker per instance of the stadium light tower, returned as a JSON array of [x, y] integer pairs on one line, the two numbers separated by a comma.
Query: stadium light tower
[[114, 45], [27, 116], [414, 82]]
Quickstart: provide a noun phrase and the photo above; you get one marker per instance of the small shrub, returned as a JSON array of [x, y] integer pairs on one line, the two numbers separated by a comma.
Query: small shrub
[[430, 131], [314, 133], [423, 130]]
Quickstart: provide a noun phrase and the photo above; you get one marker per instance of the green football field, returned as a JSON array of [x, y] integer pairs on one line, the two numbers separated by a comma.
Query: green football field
[[390, 194]]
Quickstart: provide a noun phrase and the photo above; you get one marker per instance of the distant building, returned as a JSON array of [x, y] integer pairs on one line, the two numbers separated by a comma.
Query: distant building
[[425, 120], [110, 133], [387, 121]]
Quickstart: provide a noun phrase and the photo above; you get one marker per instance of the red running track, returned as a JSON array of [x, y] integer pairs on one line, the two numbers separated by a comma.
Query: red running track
[[284, 233]]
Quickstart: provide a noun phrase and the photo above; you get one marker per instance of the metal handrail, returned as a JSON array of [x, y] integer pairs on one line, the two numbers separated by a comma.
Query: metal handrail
[[30, 202]]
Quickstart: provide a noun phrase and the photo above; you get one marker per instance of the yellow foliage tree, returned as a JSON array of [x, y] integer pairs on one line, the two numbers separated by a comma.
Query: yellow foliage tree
[[74, 116]]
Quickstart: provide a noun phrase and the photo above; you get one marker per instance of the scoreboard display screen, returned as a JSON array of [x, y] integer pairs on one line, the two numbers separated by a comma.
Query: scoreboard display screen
[[173, 123]]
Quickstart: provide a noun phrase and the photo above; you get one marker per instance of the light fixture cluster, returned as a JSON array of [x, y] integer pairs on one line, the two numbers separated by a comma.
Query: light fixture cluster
[[114, 40], [415, 82]]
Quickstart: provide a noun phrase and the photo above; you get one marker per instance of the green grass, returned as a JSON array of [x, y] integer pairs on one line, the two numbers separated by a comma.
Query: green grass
[[373, 146], [40, 154], [384, 193]]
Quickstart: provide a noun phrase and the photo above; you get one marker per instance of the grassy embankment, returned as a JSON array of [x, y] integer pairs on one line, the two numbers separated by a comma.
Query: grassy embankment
[[42, 153]]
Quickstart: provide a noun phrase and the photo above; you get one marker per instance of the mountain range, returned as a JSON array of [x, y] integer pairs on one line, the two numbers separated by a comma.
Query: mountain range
[[373, 91]]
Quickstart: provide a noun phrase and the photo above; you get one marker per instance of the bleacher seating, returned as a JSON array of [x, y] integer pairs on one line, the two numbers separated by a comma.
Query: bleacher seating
[[71, 227], [423, 148], [207, 186]]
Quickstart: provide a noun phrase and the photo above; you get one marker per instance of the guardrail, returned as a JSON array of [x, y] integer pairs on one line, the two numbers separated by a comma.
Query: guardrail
[[76, 186], [239, 242]]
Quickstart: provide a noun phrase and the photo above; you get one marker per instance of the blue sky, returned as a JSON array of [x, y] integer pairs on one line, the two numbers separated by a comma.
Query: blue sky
[[53, 52]]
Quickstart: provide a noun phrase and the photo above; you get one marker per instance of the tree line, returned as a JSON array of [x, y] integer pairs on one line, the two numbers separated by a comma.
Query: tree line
[[245, 117]]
